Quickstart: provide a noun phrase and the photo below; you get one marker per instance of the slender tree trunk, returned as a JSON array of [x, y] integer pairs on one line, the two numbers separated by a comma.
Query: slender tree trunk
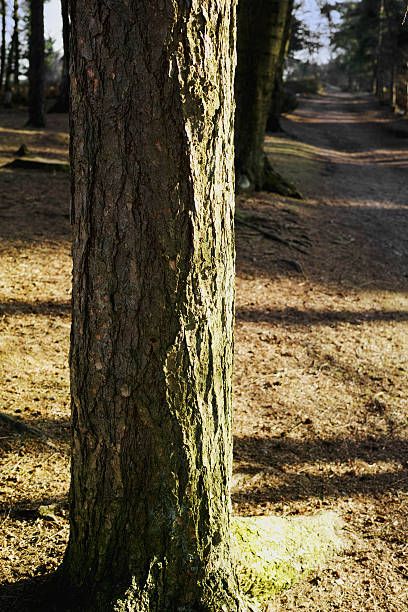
[[62, 103], [36, 102], [9, 65], [379, 63], [16, 39], [151, 352], [3, 43], [261, 28]]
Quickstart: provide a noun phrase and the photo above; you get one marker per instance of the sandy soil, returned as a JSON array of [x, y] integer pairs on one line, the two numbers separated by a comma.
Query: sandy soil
[[321, 353]]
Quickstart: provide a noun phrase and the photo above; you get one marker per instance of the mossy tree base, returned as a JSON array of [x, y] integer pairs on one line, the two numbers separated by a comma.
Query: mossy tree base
[[274, 553]]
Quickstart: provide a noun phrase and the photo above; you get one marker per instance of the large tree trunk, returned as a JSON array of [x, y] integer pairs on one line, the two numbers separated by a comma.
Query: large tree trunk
[[62, 103], [151, 352], [3, 43], [36, 101], [261, 28]]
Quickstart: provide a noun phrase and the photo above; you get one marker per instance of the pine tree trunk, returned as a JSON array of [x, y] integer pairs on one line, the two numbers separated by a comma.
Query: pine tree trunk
[[9, 65], [278, 93], [151, 353], [62, 103], [261, 27], [16, 39], [3, 43], [36, 102]]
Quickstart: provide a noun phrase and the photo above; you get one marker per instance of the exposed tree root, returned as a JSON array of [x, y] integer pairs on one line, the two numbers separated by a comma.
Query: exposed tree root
[[264, 226], [274, 182]]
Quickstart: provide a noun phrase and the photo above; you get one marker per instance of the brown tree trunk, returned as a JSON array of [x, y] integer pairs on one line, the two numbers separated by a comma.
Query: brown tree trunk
[[36, 102], [62, 103], [151, 352], [277, 95], [9, 65], [3, 43], [261, 28], [16, 41]]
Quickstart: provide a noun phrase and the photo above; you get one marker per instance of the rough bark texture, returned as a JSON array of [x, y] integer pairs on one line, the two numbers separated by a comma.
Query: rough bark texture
[[151, 352], [62, 103], [261, 28], [36, 112]]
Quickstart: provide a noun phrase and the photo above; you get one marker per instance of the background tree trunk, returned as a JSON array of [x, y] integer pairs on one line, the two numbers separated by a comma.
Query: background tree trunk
[[261, 28], [275, 108], [62, 103], [36, 102], [3, 43], [16, 42], [151, 353], [9, 65]]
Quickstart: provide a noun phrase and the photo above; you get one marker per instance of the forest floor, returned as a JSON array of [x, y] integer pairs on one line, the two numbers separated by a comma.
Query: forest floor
[[321, 420]]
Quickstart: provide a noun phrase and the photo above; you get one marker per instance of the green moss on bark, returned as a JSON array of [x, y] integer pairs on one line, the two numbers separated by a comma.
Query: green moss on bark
[[273, 553]]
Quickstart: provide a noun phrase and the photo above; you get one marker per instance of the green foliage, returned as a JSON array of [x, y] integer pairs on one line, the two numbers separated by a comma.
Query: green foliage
[[366, 39], [302, 38]]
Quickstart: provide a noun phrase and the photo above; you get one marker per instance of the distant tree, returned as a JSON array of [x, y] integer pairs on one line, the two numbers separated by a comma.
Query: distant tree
[[355, 41], [3, 50], [262, 25], [277, 95], [62, 103], [36, 71], [366, 41], [9, 65], [16, 46], [302, 37], [151, 353]]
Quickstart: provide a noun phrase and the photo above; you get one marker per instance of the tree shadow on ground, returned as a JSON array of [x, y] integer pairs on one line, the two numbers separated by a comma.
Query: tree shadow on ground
[[27, 509], [45, 307], [275, 452], [294, 316], [281, 470], [38, 430], [41, 593], [34, 207]]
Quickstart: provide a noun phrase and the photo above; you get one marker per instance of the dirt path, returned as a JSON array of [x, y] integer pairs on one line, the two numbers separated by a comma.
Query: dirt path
[[322, 354]]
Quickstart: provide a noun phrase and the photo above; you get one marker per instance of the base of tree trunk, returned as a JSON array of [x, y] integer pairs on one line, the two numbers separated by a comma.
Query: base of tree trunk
[[268, 180], [273, 124], [36, 123], [274, 182], [220, 595]]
